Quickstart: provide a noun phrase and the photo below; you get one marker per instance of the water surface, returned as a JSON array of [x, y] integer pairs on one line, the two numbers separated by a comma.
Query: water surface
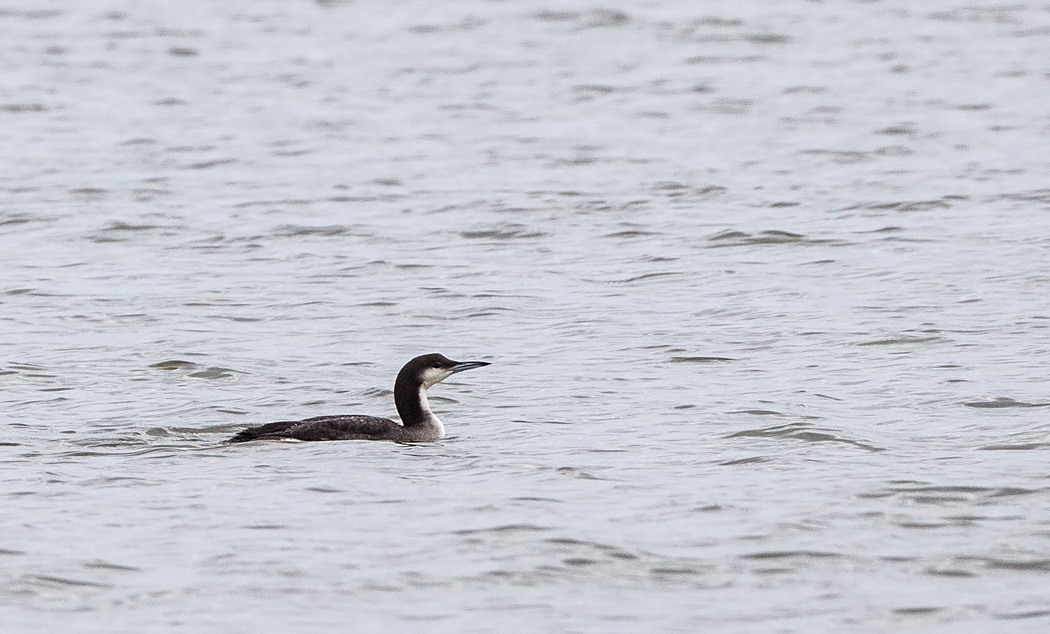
[[763, 286]]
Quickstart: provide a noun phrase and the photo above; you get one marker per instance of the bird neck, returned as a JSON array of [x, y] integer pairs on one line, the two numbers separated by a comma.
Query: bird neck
[[410, 397]]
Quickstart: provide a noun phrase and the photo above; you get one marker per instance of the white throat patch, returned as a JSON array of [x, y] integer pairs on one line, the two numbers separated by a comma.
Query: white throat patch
[[431, 417], [434, 375]]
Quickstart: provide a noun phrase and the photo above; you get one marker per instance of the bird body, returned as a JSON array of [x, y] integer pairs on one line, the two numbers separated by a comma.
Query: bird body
[[418, 422]]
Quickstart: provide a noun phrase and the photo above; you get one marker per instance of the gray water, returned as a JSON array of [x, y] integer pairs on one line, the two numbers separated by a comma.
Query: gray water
[[763, 284]]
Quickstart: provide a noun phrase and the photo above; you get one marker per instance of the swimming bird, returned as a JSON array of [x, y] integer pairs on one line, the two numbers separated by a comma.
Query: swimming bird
[[418, 422]]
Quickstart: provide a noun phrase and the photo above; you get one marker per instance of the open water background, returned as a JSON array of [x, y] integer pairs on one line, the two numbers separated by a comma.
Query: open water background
[[764, 286]]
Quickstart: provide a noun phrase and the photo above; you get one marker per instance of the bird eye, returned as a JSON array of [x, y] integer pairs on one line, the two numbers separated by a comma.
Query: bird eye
[[437, 366]]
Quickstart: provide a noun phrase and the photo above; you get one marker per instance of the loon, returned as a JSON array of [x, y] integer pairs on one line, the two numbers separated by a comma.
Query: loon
[[419, 424]]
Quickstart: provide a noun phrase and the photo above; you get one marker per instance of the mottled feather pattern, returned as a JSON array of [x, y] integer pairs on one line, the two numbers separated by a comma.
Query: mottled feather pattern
[[349, 427]]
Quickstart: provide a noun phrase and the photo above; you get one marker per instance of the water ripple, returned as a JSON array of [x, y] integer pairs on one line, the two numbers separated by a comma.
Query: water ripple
[[799, 431]]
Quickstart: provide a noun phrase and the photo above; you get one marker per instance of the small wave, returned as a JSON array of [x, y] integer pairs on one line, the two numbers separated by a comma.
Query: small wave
[[203, 165], [322, 489], [792, 554], [595, 547], [120, 225], [1035, 564], [100, 564], [630, 233], [907, 205], [214, 373], [1034, 196], [841, 157], [30, 14], [23, 107], [680, 191], [593, 19], [298, 202], [733, 238], [917, 611], [175, 364], [699, 359], [9, 219], [1015, 446], [324, 231], [897, 341], [53, 580], [949, 572], [502, 232], [924, 493], [644, 277], [502, 528], [999, 402], [800, 431], [742, 461], [211, 372], [94, 193]]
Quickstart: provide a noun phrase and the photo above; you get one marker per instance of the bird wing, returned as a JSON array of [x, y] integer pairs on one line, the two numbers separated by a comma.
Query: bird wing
[[350, 427]]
